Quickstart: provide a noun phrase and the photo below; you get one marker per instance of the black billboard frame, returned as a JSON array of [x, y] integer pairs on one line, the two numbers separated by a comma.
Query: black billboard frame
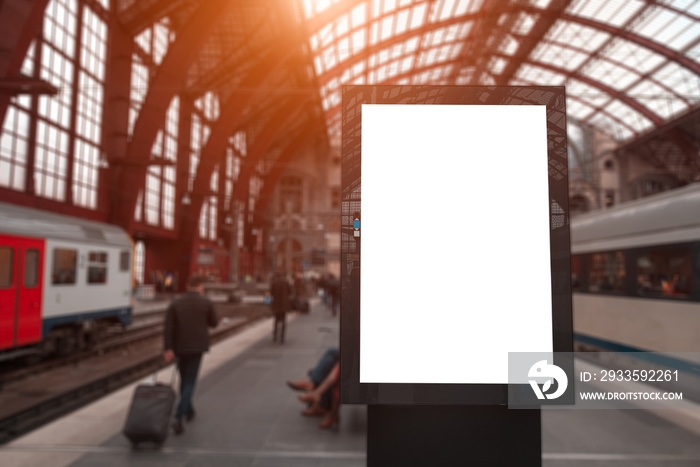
[[353, 97]]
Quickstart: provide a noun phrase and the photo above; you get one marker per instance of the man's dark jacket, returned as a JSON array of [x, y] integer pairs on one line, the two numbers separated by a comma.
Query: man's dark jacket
[[187, 323]]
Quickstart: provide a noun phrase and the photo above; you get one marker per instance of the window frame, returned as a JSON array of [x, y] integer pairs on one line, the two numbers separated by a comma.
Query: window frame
[[54, 268], [97, 260], [11, 275], [35, 269]]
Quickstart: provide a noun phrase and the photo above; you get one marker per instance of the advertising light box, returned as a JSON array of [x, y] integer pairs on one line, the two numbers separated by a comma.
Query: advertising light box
[[455, 241]]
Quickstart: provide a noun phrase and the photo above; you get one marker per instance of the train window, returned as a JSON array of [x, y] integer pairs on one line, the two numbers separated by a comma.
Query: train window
[[124, 261], [64, 266], [576, 273], [665, 272], [97, 267], [6, 266], [607, 272], [31, 268]]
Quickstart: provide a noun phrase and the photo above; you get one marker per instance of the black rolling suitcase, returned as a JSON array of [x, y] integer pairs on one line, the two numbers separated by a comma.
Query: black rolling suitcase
[[149, 414]]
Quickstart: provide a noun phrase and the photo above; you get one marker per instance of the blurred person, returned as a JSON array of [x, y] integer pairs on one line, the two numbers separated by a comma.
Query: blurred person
[[317, 376], [281, 292], [186, 336], [319, 372], [159, 281], [644, 283], [299, 299], [667, 287], [330, 387], [323, 289], [333, 285], [168, 282], [299, 286]]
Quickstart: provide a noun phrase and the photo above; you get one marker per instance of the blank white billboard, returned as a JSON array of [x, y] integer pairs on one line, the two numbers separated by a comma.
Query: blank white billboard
[[455, 247]]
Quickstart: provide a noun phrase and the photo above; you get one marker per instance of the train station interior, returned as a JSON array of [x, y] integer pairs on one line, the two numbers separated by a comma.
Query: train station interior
[[210, 133]]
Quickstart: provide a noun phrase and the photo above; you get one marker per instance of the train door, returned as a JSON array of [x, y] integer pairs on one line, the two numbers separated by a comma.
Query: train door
[[8, 291], [28, 326], [20, 290]]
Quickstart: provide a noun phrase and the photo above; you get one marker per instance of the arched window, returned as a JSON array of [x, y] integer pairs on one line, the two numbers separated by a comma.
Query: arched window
[[291, 195], [70, 54]]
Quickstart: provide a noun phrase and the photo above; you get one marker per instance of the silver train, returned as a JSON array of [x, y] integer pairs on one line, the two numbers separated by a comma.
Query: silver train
[[636, 274]]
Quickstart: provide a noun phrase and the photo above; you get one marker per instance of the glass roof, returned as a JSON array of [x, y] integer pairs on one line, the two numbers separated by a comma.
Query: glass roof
[[628, 65]]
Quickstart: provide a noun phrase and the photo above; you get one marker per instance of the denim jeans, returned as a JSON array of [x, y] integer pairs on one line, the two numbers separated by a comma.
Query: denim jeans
[[324, 366], [188, 366], [321, 370]]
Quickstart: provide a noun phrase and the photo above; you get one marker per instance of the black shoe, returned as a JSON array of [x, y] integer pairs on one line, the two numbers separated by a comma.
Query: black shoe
[[190, 416], [177, 427]]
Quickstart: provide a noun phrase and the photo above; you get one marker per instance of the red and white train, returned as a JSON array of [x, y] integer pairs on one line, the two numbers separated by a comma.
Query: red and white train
[[63, 280]]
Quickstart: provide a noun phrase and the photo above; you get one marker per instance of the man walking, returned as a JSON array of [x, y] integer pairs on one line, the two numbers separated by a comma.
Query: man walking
[[281, 304], [186, 337]]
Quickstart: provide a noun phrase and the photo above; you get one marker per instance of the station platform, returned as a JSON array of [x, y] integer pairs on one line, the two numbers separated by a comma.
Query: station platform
[[246, 414]]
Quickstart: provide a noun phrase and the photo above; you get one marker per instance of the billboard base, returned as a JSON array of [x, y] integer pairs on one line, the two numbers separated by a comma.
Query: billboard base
[[398, 436]]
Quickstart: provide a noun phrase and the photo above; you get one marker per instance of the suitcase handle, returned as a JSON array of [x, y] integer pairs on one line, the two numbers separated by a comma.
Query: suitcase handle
[[154, 376]]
